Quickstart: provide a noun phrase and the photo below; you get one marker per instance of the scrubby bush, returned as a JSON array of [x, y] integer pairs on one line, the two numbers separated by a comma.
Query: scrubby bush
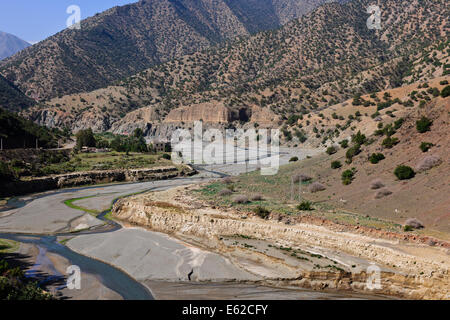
[[428, 163], [382, 193], [390, 142], [261, 212], [6, 173], [241, 199], [227, 180], [301, 178], [407, 228], [445, 92], [425, 146], [331, 150], [352, 152], [344, 144], [414, 223], [348, 176], [359, 138], [256, 197], [336, 165], [225, 192], [166, 156], [376, 158], [316, 187], [376, 184], [293, 159], [424, 124], [305, 206], [404, 172]]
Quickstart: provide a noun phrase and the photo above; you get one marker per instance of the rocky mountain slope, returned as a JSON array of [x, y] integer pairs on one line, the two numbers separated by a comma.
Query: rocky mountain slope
[[11, 98], [10, 45], [309, 64], [125, 40]]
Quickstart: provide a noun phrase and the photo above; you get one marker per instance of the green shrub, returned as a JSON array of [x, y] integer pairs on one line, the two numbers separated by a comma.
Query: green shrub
[[293, 159], [445, 92], [336, 165], [376, 158], [398, 124], [305, 206], [6, 173], [261, 212], [344, 144], [408, 228], [390, 142], [423, 125], [425, 146], [166, 156], [348, 176], [404, 172], [331, 150], [359, 138], [353, 151]]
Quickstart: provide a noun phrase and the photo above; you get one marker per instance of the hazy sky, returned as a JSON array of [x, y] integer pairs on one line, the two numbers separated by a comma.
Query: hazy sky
[[35, 20]]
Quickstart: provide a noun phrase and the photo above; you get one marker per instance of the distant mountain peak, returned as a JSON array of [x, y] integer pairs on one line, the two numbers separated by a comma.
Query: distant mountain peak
[[10, 45]]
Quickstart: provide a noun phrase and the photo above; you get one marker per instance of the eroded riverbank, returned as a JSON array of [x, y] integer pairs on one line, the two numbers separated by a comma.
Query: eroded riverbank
[[318, 257]]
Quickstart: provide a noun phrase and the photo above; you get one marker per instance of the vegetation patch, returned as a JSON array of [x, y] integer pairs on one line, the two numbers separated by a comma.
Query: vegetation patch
[[404, 173]]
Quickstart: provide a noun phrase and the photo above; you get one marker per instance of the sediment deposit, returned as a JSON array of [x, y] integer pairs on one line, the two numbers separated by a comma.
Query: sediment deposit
[[408, 270]]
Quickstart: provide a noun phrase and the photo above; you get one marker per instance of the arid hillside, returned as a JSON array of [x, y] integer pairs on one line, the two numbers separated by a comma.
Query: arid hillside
[[125, 40], [306, 66], [365, 182]]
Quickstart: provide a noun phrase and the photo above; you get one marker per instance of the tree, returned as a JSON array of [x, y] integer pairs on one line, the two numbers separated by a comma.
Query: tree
[[138, 133], [445, 92], [85, 138], [423, 125], [359, 138]]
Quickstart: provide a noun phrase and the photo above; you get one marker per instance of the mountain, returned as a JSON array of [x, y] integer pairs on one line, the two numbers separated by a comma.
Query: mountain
[[125, 40], [17, 132], [11, 98], [309, 64], [10, 45]]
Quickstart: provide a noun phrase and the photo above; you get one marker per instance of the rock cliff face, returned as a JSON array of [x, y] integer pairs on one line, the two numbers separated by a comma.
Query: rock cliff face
[[141, 118], [415, 276], [211, 112], [91, 178]]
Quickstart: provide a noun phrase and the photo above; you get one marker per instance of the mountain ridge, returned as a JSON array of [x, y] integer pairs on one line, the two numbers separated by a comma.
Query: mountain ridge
[[259, 71], [125, 40]]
